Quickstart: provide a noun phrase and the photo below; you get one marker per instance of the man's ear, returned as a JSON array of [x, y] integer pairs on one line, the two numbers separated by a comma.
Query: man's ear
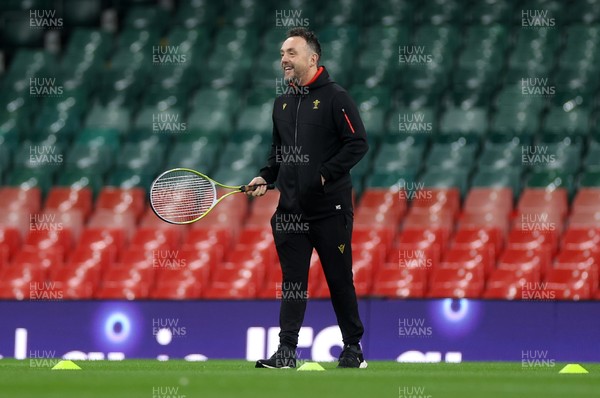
[[314, 57]]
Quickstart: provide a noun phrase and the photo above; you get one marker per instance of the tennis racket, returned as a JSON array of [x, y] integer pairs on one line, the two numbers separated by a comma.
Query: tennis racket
[[184, 196]]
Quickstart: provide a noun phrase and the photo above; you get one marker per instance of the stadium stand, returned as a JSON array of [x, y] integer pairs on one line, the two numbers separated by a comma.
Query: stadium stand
[[483, 178]]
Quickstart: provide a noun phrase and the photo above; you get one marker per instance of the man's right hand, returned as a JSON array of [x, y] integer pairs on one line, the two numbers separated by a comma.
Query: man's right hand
[[259, 191]]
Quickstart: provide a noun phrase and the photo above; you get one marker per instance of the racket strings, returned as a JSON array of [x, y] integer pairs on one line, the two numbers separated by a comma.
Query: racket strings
[[182, 196]]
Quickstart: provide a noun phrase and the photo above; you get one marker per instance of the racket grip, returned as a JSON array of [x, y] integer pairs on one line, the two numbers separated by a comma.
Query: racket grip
[[245, 188]]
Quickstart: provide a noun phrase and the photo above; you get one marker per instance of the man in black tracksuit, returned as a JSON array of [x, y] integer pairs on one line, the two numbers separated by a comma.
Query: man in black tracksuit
[[318, 137]]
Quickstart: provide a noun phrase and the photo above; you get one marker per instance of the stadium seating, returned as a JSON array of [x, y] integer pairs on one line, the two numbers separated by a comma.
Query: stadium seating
[[450, 201]]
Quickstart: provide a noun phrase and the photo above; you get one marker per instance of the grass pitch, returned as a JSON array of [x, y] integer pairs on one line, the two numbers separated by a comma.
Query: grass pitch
[[181, 379]]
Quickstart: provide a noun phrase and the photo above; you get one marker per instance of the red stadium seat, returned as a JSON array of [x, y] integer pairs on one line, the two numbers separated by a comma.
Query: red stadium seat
[[76, 283], [16, 219], [107, 219], [377, 236], [22, 283], [414, 255], [481, 261], [580, 260], [533, 240], [538, 221], [585, 220], [29, 257], [508, 284], [19, 199], [568, 284], [10, 238], [122, 292], [527, 260], [119, 200], [150, 238], [586, 201], [110, 240], [184, 290], [210, 236], [581, 239], [479, 238], [539, 200], [483, 200], [429, 220], [455, 283], [393, 281], [436, 201], [492, 219], [60, 240], [62, 199], [383, 199], [425, 237]]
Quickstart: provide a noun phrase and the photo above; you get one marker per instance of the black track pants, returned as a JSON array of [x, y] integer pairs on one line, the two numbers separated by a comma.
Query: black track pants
[[295, 240]]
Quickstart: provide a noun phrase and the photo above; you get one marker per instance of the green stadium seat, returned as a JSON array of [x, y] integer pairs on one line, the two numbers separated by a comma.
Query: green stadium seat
[[590, 178], [448, 156], [441, 177], [551, 179], [86, 157], [573, 122], [390, 179], [129, 178], [78, 179], [493, 177], [456, 120], [140, 157], [26, 178], [113, 117], [99, 137]]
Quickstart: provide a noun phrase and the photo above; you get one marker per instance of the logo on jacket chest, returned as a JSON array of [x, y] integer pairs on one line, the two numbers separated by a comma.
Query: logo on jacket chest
[[316, 104]]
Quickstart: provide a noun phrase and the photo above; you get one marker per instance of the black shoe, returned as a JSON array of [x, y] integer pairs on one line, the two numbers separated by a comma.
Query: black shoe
[[352, 357], [284, 358]]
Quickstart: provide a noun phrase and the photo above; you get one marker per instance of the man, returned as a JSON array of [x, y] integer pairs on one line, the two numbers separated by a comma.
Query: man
[[318, 137]]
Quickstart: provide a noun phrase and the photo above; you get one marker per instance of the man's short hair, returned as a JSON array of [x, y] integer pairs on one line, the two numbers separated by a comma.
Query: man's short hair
[[309, 36]]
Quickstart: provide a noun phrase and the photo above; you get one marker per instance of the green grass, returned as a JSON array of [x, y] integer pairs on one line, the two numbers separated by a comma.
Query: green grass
[[138, 378]]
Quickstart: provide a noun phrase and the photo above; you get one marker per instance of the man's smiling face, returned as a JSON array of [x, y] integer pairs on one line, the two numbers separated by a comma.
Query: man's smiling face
[[296, 59]]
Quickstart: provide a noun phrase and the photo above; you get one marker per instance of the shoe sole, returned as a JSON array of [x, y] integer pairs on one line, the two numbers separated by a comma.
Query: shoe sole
[[363, 365], [274, 367]]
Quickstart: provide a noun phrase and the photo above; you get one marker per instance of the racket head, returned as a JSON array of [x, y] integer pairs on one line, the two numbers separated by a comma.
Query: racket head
[[182, 196]]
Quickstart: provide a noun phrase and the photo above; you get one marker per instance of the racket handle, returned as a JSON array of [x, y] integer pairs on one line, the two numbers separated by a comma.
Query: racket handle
[[244, 188]]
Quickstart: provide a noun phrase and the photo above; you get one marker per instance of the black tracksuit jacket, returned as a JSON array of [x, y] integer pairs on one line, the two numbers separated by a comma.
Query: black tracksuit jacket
[[317, 130]]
